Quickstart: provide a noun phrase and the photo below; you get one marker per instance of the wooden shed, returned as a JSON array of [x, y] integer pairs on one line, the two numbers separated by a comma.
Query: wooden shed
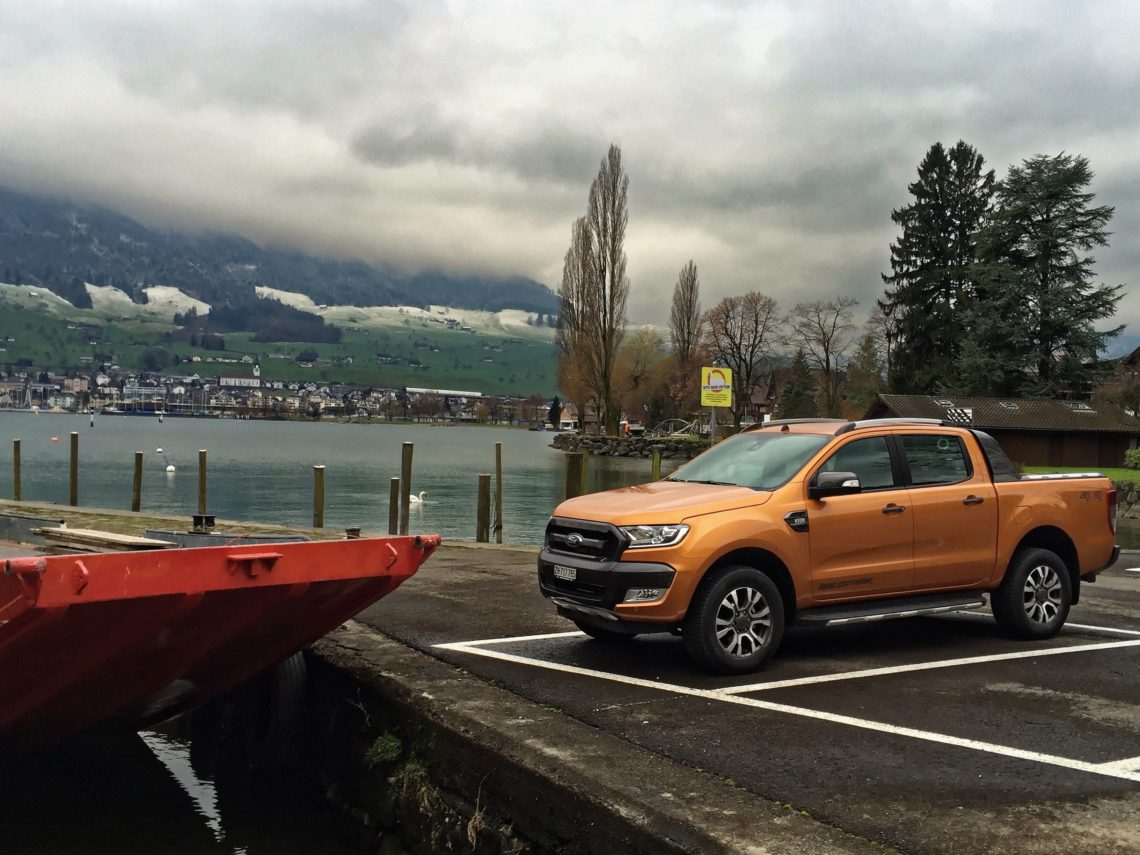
[[1033, 432]]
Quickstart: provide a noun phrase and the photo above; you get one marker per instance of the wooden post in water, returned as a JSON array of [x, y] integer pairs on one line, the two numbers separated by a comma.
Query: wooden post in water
[[498, 492], [585, 487], [136, 492], [405, 486], [74, 469], [15, 470], [655, 466], [483, 510], [201, 480], [318, 497], [573, 474], [394, 506]]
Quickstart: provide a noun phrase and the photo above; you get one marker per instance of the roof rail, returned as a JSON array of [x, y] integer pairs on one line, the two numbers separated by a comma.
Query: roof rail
[[867, 423], [779, 422]]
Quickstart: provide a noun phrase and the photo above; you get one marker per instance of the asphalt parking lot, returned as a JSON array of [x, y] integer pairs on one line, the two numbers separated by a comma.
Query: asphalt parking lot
[[928, 734]]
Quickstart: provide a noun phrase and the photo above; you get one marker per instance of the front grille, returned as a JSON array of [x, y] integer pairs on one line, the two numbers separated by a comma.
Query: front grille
[[599, 541], [578, 590]]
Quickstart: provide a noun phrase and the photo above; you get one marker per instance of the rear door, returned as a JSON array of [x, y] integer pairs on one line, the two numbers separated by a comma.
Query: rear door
[[955, 511], [862, 544]]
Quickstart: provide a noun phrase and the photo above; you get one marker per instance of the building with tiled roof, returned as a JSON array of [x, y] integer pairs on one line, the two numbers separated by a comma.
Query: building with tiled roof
[[1033, 432]]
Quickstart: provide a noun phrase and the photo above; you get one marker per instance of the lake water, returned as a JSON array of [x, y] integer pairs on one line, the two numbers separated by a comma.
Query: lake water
[[262, 471]]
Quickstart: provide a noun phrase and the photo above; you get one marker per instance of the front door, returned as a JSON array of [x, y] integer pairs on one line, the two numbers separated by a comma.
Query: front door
[[862, 544]]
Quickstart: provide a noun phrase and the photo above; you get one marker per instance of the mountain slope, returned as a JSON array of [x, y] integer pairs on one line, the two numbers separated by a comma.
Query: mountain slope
[[61, 246]]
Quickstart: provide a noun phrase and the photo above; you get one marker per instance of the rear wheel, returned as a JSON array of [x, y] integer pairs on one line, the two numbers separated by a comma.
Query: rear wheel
[[1034, 597], [601, 634], [735, 621]]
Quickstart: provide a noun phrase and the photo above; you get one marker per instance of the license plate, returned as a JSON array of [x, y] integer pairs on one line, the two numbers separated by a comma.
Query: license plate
[[566, 574]]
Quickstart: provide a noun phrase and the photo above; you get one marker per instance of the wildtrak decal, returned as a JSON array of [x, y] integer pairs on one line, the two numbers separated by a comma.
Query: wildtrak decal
[[846, 583]]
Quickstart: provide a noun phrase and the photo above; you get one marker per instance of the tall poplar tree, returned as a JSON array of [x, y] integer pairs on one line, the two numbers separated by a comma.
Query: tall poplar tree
[[932, 279], [685, 328], [594, 291]]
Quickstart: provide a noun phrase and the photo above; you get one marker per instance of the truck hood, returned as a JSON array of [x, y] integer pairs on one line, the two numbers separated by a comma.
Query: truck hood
[[659, 502]]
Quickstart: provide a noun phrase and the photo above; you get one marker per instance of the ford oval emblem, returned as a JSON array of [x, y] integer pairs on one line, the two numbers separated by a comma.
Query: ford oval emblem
[[574, 540]]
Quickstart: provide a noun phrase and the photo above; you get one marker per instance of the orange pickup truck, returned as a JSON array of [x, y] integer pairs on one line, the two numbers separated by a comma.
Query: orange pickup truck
[[827, 522]]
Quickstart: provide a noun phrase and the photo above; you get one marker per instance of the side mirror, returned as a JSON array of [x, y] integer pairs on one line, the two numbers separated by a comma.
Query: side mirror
[[834, 484]]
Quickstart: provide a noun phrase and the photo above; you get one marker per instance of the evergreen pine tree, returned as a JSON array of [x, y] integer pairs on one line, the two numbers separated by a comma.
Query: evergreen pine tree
[[932, 267], [797, 400], [1034, 327]]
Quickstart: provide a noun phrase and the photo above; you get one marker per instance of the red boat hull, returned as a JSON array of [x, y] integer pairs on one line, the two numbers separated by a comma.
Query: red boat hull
[[130, 639]]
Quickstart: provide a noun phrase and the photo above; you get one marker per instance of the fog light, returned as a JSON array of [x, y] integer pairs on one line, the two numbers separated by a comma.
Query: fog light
[[643, 595]]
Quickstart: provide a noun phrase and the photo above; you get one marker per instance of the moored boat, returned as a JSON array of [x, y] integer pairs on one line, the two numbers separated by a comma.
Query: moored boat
[[127, 639]]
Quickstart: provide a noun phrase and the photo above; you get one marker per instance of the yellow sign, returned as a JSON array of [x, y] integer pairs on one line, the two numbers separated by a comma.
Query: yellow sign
[[716, 387]]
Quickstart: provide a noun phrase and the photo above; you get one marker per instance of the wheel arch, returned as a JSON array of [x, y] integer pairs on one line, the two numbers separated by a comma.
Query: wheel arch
[[766, 562], [1058, 542]]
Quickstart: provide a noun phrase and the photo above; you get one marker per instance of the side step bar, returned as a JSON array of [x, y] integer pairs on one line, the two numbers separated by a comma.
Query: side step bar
[[887, 609]]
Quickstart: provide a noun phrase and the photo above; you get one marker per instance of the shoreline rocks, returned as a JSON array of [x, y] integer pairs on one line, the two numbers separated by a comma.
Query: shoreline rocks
[[671, 448]]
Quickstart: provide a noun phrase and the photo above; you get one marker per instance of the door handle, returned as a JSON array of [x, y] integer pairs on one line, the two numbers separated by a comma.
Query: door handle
[[972, 500], [892, 508]]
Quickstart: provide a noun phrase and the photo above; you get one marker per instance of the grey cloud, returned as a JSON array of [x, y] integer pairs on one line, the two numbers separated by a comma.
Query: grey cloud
[[769, 141], [549, 154]]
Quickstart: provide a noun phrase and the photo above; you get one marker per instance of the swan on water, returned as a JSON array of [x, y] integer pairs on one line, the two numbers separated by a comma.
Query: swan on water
[[415, 500]]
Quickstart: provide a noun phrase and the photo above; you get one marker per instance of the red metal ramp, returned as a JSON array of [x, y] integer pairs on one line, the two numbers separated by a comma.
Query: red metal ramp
[[129, 639]]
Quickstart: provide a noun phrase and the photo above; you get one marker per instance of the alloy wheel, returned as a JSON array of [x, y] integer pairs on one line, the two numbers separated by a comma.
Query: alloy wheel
[[1042, 594], [743, 622]]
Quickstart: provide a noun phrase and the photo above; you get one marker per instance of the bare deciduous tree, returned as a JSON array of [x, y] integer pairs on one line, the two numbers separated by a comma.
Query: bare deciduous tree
[[739, 333], [685, 315], [594, 290], [824, 331], [642, 373]]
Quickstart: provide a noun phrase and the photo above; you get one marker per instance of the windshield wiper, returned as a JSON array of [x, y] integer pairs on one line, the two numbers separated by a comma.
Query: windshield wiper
[[695, 481]]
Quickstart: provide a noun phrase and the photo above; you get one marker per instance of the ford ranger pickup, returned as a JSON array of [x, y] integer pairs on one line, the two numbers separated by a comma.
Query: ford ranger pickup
[[827, 522]]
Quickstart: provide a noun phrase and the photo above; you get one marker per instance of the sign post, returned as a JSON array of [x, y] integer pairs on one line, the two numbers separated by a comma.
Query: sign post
[[716, 391]]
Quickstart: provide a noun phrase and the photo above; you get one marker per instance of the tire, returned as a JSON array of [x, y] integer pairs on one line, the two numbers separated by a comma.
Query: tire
[[735, 621], [601, 634], [1033, 599]]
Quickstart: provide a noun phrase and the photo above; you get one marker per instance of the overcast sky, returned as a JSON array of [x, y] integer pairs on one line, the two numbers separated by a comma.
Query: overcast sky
[[767, 141]]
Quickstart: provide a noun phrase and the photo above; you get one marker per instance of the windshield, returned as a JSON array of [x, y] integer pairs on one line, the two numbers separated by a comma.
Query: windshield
[[762, 460]]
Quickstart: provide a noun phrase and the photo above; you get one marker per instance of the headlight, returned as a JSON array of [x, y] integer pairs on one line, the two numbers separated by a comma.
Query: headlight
[[642, 536]]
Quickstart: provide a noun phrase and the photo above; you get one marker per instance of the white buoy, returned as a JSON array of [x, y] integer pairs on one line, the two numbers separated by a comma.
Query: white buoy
[[158, 451], [169, 468]]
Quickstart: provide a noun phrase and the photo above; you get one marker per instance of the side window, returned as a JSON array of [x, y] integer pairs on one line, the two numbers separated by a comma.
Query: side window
[[936, 460], [867, 458]]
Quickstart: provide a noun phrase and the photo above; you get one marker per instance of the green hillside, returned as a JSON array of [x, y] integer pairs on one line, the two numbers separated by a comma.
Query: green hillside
[[390, 351]]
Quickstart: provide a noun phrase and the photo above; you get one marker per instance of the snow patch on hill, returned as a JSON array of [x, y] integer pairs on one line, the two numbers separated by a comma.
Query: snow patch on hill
[[170, 300], [511, 323], [289, 298], [163, 302], [38, 298]]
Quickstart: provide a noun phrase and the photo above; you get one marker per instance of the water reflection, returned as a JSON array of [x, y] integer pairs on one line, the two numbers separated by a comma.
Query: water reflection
[[135, 794]]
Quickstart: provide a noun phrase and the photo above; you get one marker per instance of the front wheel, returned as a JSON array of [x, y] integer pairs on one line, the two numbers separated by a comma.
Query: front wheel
[[735, 621], [1034, 597]]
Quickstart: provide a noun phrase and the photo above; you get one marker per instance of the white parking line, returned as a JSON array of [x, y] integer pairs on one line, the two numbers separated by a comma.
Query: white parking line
[[1132, 764], [1127, 769], [1110, 770], [1108, 629], [923, 666]]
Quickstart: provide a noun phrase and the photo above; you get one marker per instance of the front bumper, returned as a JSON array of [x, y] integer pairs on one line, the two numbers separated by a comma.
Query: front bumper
[[598, 586]]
